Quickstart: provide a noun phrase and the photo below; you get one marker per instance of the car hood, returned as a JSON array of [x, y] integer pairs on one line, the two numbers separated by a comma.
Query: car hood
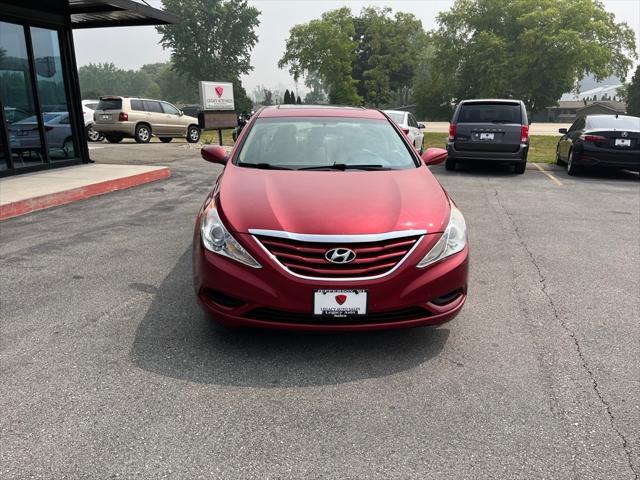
[[333, 202]]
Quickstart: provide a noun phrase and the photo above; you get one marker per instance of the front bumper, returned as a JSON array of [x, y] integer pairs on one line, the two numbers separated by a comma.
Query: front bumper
[[270, 297], [478, 155]]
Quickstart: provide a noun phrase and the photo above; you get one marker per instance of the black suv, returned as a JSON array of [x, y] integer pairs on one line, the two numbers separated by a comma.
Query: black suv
[[489, 130]]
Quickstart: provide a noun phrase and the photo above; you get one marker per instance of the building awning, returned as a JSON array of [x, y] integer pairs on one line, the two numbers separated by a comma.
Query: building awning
[[116, 13]]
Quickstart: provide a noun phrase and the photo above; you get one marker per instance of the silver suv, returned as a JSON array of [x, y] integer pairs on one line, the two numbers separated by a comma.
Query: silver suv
[[141, 118]]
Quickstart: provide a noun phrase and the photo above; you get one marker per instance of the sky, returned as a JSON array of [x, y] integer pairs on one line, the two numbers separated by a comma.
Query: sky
[[132, 47]]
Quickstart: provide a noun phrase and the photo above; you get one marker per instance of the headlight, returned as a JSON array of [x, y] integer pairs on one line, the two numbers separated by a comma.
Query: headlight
[[217, 239], [453, 240]]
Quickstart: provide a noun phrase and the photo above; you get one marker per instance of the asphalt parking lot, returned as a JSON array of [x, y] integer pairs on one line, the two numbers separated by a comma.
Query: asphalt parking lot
[[110, 369]]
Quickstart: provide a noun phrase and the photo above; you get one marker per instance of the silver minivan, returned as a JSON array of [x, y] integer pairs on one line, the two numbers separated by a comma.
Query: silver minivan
[[119, 117]]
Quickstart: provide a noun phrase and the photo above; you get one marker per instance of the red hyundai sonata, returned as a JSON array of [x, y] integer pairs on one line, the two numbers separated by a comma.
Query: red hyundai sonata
[[327, 218]]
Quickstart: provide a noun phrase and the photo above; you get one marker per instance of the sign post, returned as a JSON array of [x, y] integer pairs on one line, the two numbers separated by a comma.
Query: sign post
[[218, 107]]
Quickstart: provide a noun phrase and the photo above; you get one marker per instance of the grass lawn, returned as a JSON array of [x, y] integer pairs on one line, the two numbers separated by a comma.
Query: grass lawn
[[211, 136], [542, 148]]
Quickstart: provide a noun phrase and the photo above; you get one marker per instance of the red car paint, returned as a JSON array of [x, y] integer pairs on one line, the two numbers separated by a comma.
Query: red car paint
[[343, 203]]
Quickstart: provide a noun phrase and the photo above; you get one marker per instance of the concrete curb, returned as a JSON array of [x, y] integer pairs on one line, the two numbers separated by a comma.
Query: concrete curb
[[29, 205]]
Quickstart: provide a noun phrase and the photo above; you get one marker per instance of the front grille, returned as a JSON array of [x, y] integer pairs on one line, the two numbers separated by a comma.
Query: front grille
[[308, 258], [268, 314]]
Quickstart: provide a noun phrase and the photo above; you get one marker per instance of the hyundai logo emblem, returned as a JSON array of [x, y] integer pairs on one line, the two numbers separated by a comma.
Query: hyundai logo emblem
[[340, 255], [625, 134]]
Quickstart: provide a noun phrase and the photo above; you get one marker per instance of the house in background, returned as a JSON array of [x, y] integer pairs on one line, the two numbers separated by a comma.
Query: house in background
[[568, 110]]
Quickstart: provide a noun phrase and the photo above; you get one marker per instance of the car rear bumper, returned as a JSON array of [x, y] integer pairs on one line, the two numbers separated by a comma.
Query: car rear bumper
[[269, 297], [475, 155], [607, 157], [126, 129]]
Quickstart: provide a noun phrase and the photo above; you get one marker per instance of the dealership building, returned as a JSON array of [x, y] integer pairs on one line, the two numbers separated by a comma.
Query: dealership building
[[41, 119]]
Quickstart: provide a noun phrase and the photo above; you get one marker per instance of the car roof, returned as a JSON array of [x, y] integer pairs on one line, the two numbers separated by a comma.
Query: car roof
[[487, 100], [319, 111], [609, 115], [394, 111]]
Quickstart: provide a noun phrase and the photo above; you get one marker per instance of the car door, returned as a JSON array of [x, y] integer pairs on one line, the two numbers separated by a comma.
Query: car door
[[175, 125], [157, 117], [570, 137], [418, 135]]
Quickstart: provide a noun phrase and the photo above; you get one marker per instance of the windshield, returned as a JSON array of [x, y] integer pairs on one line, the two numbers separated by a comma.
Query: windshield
[[299, 143], [397, 117], [490, 113], [611, 122]]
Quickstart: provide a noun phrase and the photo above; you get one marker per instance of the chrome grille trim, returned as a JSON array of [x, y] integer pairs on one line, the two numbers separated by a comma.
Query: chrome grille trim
[[343, 279], [319, 238]]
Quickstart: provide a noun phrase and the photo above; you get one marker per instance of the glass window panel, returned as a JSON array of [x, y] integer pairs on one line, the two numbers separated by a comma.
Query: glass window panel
[[52, 93], [168, 108], [16, 97]]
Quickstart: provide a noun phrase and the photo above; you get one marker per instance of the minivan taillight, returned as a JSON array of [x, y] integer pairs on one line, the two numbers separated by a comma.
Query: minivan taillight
[[123, 117], [524, 133], [452, 131], [593, 138]]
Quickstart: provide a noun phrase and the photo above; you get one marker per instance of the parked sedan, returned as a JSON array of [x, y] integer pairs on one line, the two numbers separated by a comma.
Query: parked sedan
[[88, 109], [25, 136], [326, 218], [600, 140], [409, 126]]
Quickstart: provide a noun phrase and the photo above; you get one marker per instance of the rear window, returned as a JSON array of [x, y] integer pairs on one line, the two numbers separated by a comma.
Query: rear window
[[396, 117], [490, 113], [324, 141], [110, 104], [611, 122]]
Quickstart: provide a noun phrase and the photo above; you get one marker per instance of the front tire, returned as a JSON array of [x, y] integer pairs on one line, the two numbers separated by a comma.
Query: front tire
[[93, 135], [193, 134], [67, 147], [142, 134], [166, 139], [450, 164], [572, 168]]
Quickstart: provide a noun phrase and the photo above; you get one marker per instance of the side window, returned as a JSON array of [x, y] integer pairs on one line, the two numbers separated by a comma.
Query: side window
[[577, 125], [64, 120], [137, 105], [412, 121], [574, 126], [151, 106], [168, 108]]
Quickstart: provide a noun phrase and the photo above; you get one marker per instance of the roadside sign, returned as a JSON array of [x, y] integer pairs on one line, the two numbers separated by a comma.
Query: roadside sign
[[216, 96]]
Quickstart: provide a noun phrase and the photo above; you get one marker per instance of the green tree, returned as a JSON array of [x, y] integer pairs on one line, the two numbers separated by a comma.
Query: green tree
[[534, 51], [213, 41], [326, 48], [633, 94], [299, 100], [386, 54], [287, 97]]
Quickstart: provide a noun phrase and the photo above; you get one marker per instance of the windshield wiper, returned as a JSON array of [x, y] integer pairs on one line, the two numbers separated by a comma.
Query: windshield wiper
[[264, 166], [344, 166]]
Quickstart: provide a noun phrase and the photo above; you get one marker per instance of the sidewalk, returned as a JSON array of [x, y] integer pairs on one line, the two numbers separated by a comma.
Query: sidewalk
[[36, 191]]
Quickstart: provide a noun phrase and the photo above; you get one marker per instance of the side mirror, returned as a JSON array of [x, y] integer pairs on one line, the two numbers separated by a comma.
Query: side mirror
[[562, 131], [214, 154], [434, 156], [422, 126], [181, 113]]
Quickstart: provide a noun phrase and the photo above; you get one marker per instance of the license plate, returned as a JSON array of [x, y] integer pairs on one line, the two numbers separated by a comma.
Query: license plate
[[106, 117], [623, 142], [486, 136], [340, 303]]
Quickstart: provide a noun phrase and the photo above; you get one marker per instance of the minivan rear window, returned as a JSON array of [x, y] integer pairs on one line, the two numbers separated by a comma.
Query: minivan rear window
[[110, 104], [490, 113]]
